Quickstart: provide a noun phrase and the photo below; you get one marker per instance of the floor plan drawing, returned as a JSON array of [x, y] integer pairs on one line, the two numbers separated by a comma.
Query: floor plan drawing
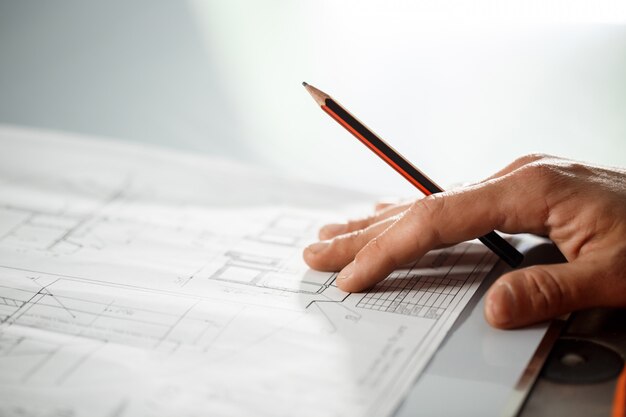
[[140, 282], [426, 294]]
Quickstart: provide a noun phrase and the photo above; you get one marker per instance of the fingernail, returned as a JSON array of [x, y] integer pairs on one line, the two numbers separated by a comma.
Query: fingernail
[[346, 272], [334, 228], [501, 304], [318, 246]]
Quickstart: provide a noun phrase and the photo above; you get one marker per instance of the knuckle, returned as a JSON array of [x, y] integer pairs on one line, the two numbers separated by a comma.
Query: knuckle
[[530, 158], [350, 243], [338, 245], [578, 169], [347, 240], [546, 184], [358, 224], [376, 249], [358, 237], [427, 208], [543, 172], [423, 214], [547, 295]]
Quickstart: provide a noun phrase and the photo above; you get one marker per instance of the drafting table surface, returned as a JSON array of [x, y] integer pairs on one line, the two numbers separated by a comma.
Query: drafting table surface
[[476, 369]]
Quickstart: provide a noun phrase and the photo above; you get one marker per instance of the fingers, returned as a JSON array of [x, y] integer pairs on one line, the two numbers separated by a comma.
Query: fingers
[[515, 202], [334, 254], [533, 194], [541, 292], [444, 219], [386, 211], [406, 239]]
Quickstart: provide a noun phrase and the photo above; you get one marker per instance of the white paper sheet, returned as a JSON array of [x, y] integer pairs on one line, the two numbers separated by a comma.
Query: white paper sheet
[[137, 281]]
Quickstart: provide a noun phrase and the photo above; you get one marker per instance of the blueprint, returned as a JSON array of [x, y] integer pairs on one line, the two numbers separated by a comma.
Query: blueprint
[[139, 281]]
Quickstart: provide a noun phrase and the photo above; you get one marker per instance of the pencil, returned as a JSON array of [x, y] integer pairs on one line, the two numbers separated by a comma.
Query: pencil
[[492, 240]]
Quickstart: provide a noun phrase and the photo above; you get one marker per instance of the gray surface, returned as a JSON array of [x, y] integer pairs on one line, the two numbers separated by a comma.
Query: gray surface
[[548, 398], [475, 371], [134, 70], [459, 98]]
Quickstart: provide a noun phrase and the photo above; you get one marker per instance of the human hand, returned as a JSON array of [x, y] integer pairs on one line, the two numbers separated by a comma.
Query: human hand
[[581, 207]]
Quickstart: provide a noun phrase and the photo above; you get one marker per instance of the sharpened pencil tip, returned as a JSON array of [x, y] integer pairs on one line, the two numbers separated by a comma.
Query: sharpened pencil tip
[[319, 96]]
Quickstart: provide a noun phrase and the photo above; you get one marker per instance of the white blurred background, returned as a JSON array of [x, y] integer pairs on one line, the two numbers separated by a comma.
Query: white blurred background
[[460, 88]]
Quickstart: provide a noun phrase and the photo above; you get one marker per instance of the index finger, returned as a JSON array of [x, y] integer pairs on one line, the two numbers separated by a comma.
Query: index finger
[[507, 203]]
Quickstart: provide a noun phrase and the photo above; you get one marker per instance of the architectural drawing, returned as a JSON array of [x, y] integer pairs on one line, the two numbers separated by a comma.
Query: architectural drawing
[[139, 282]]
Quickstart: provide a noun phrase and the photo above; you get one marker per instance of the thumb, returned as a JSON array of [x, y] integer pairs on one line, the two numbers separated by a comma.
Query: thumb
[[540, 292]]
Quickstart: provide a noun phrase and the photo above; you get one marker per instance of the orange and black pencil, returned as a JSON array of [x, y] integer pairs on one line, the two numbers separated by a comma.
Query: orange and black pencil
[[492, 240]]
